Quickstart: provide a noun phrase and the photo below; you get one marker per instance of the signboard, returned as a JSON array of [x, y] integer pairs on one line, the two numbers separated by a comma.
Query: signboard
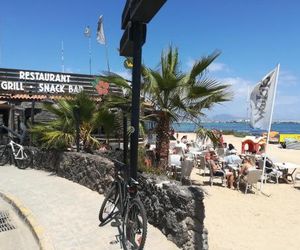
[[14, 81], [289, 136]]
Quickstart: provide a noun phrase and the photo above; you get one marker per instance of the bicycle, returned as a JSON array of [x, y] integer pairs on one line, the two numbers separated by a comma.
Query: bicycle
[[13, 151], [123, 202]]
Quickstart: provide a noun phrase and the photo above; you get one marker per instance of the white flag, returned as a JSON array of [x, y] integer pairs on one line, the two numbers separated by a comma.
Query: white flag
[[100, 31], [87, 31], [261, 101]]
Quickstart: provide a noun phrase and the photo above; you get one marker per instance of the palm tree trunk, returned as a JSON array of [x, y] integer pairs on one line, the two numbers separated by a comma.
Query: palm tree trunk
[[162, 140]]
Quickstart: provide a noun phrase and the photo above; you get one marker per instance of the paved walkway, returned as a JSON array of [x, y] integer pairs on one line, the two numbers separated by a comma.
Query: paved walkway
[[14, 233], [67, 212]]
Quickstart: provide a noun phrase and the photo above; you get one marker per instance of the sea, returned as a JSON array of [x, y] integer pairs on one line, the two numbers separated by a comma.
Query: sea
[[281, 127]]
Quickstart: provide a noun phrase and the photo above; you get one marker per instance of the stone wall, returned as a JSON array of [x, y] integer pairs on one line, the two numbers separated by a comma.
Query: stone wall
[[92, 171], [178, 211]]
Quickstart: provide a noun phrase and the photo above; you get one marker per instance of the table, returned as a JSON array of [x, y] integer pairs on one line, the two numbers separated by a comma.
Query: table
[[286, 166]]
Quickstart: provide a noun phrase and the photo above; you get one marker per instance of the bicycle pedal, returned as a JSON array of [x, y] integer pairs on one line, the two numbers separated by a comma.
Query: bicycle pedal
[[115, 224]]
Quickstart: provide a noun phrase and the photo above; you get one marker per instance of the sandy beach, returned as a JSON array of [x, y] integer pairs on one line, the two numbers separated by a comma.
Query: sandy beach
[[236, 221]]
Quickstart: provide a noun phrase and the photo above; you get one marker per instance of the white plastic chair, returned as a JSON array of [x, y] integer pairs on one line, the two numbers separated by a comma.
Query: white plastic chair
[[297, 179], [252, 178], [201, 163], [274, 172], [213, 175]]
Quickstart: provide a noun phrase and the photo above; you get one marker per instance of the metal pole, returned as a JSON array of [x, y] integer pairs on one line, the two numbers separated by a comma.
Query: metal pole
[[136, 85], [106, 54], [90, 54], [125, 143], [125, 138], [62, 57], [269, 128]]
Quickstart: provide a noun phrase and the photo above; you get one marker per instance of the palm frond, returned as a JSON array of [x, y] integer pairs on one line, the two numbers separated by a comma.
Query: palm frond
[[200, 67]]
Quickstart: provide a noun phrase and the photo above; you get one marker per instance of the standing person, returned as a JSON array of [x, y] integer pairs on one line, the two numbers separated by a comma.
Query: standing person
[[148, 156]]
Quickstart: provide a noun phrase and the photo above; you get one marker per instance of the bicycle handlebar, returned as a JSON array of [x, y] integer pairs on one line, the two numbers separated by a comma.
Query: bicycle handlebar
[[118, 164], [11, 131], [122, 166]]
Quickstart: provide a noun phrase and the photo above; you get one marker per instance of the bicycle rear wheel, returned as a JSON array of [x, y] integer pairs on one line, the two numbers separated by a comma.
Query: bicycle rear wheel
[[4, 155], [26, 161], [135, 226], [109, 205]]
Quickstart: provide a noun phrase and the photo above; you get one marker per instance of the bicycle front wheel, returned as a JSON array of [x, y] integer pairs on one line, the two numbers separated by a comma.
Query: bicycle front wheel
[[26, 161], [4, 155], [135, 226], [109, 205]]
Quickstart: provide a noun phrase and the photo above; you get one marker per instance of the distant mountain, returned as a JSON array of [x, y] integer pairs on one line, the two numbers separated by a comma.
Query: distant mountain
[[226, 118]]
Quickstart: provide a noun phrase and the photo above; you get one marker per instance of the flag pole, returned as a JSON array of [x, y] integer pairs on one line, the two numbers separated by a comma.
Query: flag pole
[[87, 33], [102, 40], [90, 54], [106, 55], [248, 102], [62, 57], [269, 128]]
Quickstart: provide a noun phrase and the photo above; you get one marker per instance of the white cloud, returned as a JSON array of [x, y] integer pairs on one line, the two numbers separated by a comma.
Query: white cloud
[[290, 100], [239, 86], [213, 67], [190, 62], [217, 67], [126, 74], [287, 78]]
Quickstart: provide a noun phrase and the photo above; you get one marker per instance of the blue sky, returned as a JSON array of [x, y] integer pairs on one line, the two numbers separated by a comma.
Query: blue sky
[[253, 36]]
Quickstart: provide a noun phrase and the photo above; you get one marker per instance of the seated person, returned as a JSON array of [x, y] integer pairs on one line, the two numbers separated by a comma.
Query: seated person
[[217, 170], [247, 165], [211, 155], [104, 147], [271, 169], [184, 139], [230, 147], [232, 158]]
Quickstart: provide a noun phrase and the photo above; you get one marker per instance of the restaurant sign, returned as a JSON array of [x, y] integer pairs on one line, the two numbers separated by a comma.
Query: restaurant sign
[[36, 82]]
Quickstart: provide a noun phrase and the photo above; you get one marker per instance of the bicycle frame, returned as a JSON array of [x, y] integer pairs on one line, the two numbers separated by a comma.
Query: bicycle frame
[[17, 150], [122, 193], [127, 190]]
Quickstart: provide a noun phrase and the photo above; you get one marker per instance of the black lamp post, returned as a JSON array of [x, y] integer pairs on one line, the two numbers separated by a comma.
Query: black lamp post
[[134, 18]]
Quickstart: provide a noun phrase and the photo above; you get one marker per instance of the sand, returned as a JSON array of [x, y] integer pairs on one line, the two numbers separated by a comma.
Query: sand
[[253, 221]]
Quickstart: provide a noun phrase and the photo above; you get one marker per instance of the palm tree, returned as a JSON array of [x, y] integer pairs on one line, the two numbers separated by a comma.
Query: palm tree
[[176, 96], [60, 133]]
